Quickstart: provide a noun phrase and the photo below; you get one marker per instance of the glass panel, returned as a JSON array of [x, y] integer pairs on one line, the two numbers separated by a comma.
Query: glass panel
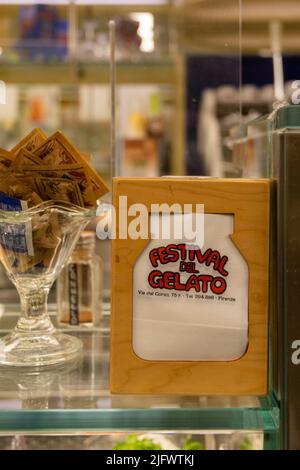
[[178, 95], [211, 41]]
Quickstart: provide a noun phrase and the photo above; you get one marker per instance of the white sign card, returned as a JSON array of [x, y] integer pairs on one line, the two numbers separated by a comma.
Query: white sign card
[[191, 304]]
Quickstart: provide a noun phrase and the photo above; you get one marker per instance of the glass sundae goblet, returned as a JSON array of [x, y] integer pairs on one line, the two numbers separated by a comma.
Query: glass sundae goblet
[[34, 246]]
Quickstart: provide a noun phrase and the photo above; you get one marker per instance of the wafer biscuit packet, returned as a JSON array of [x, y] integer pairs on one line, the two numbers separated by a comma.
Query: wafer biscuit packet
[[24, 158], [56, 189], [56, 158], [30, 142], [6, 161], [58, 150], [15, 187]]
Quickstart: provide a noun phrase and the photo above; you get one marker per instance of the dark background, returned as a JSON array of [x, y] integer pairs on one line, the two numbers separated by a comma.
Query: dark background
[[214, 71]]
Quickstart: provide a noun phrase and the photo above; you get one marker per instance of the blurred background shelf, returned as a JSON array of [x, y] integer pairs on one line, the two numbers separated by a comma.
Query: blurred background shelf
[[141, 72]]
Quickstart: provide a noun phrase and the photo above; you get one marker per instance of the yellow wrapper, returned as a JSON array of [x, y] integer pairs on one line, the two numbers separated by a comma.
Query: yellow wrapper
[[6, 161], [31, 141], [24, 158], [14, 187], [57, 189], [46, 231], [57, 150]]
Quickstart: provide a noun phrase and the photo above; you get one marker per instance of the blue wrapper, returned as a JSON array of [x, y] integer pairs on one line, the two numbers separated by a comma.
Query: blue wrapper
[[15, 237]]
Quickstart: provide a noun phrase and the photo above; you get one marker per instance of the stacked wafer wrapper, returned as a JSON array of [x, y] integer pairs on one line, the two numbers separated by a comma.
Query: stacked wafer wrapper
[[40, 168]]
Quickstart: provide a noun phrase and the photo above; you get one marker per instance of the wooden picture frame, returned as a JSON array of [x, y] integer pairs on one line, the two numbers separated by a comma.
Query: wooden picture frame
[[249, 202]]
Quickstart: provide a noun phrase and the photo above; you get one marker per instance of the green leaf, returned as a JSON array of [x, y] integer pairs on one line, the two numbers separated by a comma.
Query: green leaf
[[133, 442], [245, 444], [189, 444]]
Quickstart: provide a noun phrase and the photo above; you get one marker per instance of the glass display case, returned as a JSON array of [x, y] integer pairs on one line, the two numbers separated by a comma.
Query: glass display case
[[179, 83]]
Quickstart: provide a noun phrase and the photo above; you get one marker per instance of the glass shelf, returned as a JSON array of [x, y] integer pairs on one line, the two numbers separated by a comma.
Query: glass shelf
[[75, 398]]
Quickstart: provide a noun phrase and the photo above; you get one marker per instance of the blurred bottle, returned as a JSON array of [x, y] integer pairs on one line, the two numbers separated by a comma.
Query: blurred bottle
[[79, 286]]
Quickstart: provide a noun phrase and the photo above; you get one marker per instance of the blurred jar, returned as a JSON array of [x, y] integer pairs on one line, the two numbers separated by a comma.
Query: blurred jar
[[79, 286]]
